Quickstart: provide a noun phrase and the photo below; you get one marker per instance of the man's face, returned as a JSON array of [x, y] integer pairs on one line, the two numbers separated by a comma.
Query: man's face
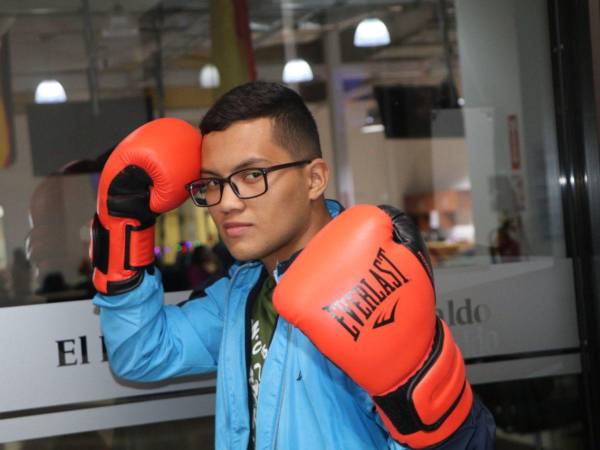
[[265, 226]]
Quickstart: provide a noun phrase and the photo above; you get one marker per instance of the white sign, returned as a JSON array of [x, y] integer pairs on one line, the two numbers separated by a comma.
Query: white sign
[[511, 308], [54, 364], [53, 355]]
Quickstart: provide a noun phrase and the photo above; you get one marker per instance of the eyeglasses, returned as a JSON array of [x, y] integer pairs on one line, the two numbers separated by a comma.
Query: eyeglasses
[[245, 183]]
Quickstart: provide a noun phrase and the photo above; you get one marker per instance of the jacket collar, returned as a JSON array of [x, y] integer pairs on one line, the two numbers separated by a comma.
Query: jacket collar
[[335, 208]]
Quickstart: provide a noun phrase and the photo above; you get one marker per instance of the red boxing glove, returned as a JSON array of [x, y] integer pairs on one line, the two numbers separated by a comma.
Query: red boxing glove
[[362, 292], [144, 176]]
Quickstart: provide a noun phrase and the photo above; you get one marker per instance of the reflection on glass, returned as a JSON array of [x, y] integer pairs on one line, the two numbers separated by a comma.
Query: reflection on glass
[[537, 413], [453, 121]]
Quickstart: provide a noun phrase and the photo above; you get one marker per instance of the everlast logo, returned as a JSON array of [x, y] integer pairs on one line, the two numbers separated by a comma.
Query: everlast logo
[[356, 306]]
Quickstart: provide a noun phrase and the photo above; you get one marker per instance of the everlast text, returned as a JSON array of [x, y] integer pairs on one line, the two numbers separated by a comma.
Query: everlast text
[[354, 308]]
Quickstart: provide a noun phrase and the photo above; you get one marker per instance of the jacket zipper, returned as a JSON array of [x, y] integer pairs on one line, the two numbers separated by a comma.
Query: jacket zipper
[[283, 387], [247, 330], [224, 338], [284, 383]]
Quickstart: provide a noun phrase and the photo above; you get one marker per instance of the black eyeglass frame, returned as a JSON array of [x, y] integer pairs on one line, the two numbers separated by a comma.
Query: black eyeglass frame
[[222, 181]]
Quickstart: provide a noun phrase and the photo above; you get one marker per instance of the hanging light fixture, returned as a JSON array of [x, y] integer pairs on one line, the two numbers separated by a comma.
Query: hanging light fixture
[[297, 71], [120, 24], [372, 123], [209, 76], [371, 32], [50, 91]]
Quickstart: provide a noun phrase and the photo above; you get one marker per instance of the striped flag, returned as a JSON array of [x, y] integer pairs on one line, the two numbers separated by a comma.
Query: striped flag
[[7, 138], [231, 43]]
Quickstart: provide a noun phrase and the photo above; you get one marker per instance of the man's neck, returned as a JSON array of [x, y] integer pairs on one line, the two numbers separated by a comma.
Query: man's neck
[[319, 218]]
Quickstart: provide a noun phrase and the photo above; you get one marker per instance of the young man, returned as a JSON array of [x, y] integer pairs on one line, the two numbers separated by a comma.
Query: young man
[[348, 355]]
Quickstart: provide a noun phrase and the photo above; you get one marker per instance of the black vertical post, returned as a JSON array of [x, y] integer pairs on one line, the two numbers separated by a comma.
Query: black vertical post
[[579, 163]]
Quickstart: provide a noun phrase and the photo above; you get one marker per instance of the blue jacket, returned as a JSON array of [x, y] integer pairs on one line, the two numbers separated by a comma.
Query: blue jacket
[[305, 401]]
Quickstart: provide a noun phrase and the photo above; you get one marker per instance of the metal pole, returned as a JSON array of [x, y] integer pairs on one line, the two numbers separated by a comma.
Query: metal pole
[[337, 113], [289, 41], [90, 45], [158, 64], [443, 19]]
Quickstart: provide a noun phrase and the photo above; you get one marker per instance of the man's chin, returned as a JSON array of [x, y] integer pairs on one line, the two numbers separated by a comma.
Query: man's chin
[[244, 254]]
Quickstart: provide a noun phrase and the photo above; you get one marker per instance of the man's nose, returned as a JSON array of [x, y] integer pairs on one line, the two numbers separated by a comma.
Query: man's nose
[[230, 201]]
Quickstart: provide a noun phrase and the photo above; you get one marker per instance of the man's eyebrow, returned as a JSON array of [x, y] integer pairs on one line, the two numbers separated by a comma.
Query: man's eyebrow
[[245, 163]]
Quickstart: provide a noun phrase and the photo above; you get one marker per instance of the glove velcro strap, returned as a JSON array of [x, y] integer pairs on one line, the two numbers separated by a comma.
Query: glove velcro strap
[[109, 276], [139, 247], [100, 241], [425, 402], [111, 287]]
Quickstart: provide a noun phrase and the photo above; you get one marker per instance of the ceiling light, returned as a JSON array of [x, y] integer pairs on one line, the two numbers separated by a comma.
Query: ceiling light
[[50, 91], [375, 128], [309, 26], [372, 123], [257, 26], [209, 76], [120, 24], [371, 33], [297, 71]]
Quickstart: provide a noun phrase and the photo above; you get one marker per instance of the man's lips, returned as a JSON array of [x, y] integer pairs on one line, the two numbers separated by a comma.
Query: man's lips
[[235, 229]]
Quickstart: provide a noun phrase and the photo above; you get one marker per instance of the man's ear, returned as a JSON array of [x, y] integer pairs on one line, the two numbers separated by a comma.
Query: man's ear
[[318, 178]]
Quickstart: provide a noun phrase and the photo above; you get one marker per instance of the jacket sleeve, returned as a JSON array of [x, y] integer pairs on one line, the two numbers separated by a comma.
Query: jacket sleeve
[[478, 432], [149, 341]]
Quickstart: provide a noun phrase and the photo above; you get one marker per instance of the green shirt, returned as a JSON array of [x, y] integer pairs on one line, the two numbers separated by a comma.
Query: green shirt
[[263, 318]]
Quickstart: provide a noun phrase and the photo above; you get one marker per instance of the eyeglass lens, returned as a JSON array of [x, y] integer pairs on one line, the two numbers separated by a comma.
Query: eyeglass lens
[[245, 184]]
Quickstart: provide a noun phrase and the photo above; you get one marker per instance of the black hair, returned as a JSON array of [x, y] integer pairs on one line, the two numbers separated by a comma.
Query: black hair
[[294, 126]]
